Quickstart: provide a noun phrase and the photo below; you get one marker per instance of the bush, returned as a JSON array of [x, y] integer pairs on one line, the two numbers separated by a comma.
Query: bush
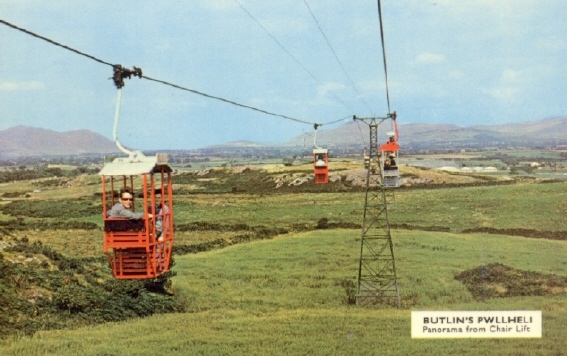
[[73, 295]]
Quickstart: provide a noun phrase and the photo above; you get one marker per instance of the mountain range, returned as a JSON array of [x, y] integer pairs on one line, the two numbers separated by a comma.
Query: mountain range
[[21, 141], [542, 133]]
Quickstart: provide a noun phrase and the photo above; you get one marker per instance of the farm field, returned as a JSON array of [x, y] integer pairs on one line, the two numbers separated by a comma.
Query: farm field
[[280, 283]]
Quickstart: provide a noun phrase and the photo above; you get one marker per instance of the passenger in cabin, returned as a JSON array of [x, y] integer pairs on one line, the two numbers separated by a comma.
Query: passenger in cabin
[[320, 161], [123, 209], [392, 161], [160, 209], [387, 163]]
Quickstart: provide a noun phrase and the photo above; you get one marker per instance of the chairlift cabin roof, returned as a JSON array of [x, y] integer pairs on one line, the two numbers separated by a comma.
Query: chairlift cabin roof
[[390, 147], [135, 164], [320, 151]]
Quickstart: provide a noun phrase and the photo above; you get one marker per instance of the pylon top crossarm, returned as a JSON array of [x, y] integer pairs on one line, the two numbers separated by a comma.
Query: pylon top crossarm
[[375, 120]]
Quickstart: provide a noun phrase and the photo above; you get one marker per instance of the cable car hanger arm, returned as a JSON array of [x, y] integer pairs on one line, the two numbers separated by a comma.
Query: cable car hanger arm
[[121, 73]]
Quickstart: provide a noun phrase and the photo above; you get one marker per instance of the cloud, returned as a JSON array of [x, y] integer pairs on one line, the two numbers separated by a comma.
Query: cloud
[[456, 74], [510, 76], [329, 88], [509, 87], [504, 94], [429, 58], [21, 86], [551, 43]]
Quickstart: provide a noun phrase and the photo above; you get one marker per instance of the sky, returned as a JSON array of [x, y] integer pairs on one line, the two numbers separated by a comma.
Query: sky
[[464, 62]]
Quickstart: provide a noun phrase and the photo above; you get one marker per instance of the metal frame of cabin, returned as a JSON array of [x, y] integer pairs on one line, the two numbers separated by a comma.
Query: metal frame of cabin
[[131, 246]]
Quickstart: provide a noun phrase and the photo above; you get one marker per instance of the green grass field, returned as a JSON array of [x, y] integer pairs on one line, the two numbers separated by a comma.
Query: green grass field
[[288, 295]]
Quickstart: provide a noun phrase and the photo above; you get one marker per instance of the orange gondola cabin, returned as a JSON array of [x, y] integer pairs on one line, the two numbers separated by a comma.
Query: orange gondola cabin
[[389, 160], [321, 163], [139, 248]]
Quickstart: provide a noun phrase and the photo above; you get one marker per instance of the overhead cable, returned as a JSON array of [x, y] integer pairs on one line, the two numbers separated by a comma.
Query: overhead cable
[[54, 42], [384, 54], [121, 73], [289, 53], [224, 100], [335, 54]]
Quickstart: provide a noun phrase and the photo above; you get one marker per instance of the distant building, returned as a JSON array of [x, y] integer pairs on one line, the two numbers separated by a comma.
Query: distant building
[[449, 169]]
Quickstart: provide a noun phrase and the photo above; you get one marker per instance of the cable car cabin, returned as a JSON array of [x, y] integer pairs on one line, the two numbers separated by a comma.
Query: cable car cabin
[[321, 163], [138, 248], [389, 160]]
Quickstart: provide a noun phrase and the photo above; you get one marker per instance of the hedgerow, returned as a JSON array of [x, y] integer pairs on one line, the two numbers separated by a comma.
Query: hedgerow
[[61, 208], [44, 225], [42, 289]]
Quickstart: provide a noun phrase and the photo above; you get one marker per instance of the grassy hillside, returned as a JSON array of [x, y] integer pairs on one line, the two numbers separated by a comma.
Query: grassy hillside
[[272, 279], [287, 296]]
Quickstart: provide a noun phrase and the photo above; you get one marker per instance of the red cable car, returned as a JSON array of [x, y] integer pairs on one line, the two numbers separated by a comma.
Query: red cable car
[[389, 158], [321, 163], [138, 248]]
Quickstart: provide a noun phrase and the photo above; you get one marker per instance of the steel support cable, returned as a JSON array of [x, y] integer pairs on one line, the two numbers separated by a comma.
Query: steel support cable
[[54, 42], [290, 54], [384, 54], [361, 135], [125, 73], [335, 121], [225, 100], [336, 57]]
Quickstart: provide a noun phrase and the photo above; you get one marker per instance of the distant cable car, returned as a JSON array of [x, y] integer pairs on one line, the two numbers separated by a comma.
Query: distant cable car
[[137, 248], [389, 158], [320, 161]]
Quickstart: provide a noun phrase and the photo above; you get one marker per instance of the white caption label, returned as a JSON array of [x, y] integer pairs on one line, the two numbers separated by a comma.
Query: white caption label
[[476, 324]]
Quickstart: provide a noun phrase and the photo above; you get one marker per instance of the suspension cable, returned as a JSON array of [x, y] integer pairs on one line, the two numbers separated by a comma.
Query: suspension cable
[[384, 53], [289, 53], [335, 55], [225, 100], [121, 73], [54, 42]]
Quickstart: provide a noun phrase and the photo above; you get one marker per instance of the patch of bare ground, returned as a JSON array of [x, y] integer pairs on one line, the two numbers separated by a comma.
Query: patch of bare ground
[[500, 281], [343, 176], [532, 233], [355, 175]]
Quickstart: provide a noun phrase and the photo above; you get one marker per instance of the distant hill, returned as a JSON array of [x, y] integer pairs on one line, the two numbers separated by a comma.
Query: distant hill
[[543, 133], [22, 141], [237, 144]]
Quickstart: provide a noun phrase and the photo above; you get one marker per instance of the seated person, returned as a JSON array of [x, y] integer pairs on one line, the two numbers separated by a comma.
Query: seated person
[[123, 209], [159, 217], [388, 164], [320, 161], [392, 161]]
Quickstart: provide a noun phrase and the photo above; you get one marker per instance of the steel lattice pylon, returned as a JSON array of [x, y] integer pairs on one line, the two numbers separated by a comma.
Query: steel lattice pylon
[[377, 280]]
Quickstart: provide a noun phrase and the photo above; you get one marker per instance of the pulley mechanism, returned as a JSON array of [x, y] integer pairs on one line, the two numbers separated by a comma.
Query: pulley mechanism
[[121, 73]]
